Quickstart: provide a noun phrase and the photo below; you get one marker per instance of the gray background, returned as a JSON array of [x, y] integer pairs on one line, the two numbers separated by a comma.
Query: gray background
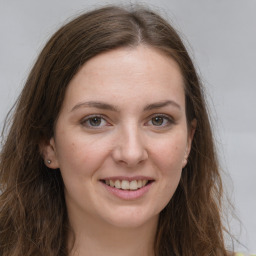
[[222, 41]]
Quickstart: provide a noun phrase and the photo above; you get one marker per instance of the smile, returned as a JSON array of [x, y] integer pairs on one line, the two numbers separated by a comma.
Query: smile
[[128, 188], [126, 185]]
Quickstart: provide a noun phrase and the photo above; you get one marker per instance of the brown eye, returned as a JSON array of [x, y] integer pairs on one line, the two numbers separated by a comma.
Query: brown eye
[[95, 121], [158, 120]]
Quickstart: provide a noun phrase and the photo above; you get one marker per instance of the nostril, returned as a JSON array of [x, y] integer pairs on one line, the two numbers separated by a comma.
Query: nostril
[[130, 149], [129, 158]]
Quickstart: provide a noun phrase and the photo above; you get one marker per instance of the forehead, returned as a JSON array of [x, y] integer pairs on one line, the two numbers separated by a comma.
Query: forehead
[[128, 74]]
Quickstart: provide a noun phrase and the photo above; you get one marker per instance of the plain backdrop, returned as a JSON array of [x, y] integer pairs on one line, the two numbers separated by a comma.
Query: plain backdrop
[[221, 38]]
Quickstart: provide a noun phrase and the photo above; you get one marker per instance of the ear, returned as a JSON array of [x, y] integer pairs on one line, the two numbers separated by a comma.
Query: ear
[[49, 153], [191, 132]]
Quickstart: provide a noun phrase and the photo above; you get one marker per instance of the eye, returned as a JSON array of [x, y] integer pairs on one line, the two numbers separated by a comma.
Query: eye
[[160, 121], [94, 122]]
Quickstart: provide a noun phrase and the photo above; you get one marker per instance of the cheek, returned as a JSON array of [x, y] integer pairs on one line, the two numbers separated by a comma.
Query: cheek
[[169, 154], [168, 157], [80, 155]]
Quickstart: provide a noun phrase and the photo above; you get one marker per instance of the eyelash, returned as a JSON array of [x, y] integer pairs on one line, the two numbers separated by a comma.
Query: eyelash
[[85, 121], [167, 119]]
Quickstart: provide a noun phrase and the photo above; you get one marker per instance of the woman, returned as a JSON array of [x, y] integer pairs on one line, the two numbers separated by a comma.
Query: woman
[[110, 150]]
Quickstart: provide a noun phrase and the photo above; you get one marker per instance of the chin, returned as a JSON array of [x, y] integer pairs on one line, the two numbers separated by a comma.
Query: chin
[[132, 219]]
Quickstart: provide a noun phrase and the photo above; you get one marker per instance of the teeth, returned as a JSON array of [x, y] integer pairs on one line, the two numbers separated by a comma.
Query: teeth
[[117, 184], [133, 185], [139, 183], [127, 185], [112, 183]]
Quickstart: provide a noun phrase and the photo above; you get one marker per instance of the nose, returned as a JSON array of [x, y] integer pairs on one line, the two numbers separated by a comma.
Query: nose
[[130, 148]]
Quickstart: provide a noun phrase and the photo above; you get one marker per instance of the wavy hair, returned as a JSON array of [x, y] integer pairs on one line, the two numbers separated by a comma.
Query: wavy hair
[[33, 215]]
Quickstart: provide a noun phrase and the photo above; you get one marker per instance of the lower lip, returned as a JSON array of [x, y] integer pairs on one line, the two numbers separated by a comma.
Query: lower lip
[[128, 194]]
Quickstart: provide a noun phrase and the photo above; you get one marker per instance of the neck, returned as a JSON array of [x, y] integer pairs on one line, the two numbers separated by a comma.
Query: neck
[[93, 237]]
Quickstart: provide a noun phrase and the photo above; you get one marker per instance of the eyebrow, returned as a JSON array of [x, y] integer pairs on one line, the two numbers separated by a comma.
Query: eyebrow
[[106, 106], [162, 104], [95, 104]]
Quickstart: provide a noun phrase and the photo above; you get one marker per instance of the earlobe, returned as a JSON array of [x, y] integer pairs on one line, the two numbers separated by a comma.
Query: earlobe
[[49, 154], [185, 160]]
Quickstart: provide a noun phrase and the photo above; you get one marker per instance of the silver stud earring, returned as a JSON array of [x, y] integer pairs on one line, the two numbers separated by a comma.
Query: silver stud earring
[[49, 161]]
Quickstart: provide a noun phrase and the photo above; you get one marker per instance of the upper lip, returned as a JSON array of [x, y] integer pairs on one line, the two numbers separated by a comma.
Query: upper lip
[[114, 178]]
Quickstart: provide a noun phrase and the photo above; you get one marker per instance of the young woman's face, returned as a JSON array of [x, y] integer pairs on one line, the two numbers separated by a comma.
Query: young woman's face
[[121, 139]]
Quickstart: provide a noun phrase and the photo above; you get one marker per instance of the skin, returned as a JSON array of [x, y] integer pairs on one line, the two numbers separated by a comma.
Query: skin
[[131, 138]]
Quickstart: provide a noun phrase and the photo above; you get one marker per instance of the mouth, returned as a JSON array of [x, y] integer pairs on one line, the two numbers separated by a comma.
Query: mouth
[[128, 185]]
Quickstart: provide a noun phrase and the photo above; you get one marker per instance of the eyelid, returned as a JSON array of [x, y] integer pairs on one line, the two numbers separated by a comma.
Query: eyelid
[[86, 118], [165, 116], [170, 121]]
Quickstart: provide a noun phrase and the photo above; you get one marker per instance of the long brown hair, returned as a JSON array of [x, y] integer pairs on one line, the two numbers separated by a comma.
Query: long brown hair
[[33, 216]]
